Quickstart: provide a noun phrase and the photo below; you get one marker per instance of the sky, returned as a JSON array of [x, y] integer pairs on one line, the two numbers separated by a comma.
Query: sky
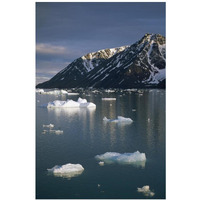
[[67, 31]]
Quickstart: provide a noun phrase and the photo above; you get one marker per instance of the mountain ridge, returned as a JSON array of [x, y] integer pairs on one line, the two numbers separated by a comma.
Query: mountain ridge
[[141, 64]]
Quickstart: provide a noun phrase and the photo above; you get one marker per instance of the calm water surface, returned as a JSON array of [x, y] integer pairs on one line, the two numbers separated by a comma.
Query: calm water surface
[[85, 135]]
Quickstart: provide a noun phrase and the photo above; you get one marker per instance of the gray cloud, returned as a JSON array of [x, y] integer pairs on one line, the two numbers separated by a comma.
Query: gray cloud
[[50, 49]]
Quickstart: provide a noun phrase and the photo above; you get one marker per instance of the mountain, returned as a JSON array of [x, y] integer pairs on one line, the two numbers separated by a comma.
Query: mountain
[[139, 65]]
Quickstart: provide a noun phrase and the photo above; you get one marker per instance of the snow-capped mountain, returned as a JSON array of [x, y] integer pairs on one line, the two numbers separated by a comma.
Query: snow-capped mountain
[[139, 65]]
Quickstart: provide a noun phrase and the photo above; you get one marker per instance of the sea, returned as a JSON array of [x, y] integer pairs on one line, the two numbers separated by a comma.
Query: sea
[[80, 134]]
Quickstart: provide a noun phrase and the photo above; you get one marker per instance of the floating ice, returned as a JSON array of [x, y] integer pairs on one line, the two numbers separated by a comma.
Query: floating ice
[[71, 93], [57, 132], [48, 126], [39, 91], [81, 103], [80, 100], [63, 92], [53, 92], [101, 163], [108, 99], [110, 91], [67, 171], [135, 158], [119, 119], [146, 191]]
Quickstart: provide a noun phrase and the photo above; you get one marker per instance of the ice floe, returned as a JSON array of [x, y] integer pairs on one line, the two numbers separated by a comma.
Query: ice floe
[[55, 92], [101, 163], [67, 171], [108, 99], [51, 130], [80, 103], [119, 119], [146, 191], [57, 132], [72, 93], [48, 126], [39, 91], [136, 158]]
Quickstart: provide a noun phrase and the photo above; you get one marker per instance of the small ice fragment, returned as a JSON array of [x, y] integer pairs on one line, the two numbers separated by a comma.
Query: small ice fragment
[[49, 126], [101, 163], [39, 91], [67, 171], [148, 119], [119, 119], [108, 99], [71, 93], [44, 131], [99, 185], [146, 191], [58, 132], [133, 110]]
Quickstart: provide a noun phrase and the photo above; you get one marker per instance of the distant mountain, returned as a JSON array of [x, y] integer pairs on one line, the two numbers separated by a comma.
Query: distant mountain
[[139, 65]]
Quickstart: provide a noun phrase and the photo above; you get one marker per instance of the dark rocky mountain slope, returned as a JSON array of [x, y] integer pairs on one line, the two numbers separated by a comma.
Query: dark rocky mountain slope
[[139, 65]]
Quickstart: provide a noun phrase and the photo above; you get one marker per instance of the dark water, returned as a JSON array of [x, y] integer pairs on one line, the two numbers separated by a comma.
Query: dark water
[[85, 135]]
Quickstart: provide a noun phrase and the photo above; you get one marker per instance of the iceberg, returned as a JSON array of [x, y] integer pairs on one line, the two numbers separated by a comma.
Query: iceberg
[[67, 171], [48, 126], [119, 119], [146, 191], [136, 158], [81, 103]]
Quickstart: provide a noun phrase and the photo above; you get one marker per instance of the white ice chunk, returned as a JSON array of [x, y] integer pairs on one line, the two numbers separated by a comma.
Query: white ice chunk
[[146, 191], [49, 126], [119, 119], [71, 93], [57, 132], [67, 171], [81, 103], [63, 92], [39, 91], [101, 163], [53, 92], [108, 99], [135, 158], [80, 100]]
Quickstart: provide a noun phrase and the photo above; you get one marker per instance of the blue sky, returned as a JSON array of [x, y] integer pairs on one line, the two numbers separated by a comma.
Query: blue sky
[[66, 31]]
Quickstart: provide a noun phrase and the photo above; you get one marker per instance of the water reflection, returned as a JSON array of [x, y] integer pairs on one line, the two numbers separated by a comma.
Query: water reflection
[[69, 111]]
